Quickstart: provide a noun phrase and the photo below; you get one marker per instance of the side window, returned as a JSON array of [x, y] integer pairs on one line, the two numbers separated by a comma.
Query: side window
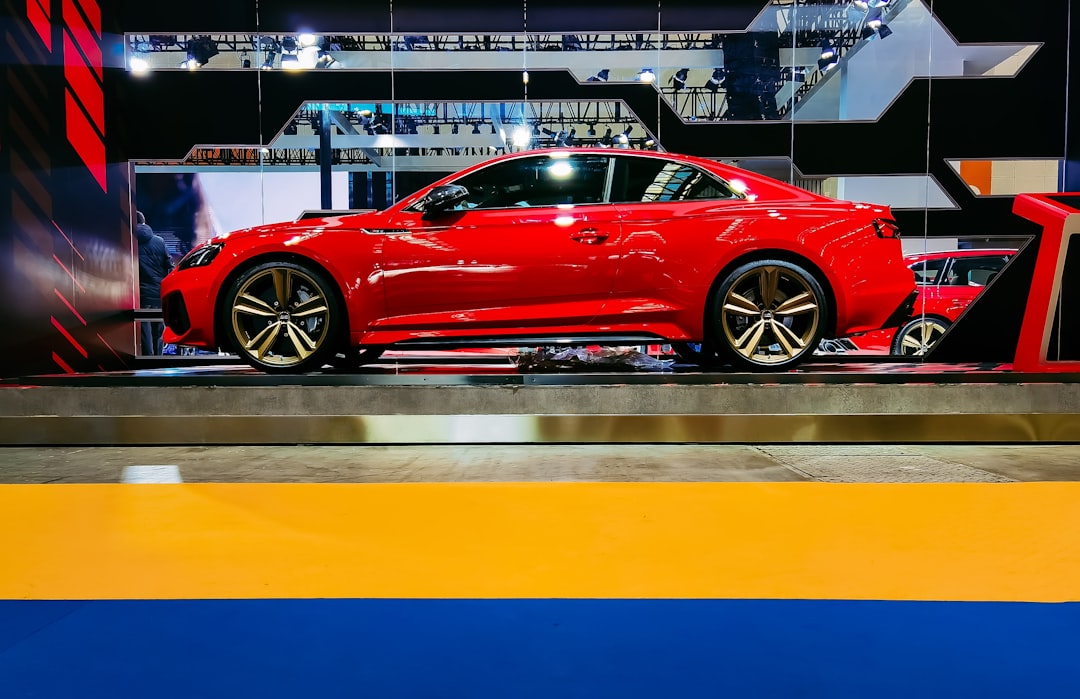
[[975, 271], [538, 181], [653, 179], [929, 271]]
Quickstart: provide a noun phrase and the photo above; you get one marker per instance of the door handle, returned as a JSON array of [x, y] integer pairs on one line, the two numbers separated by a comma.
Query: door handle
[[589, 236]]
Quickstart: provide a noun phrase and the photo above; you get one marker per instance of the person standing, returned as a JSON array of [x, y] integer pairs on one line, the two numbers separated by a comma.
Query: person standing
[[154, 264]]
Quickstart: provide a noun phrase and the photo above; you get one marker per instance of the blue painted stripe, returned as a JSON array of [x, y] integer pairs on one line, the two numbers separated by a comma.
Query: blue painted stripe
[[537, 648]]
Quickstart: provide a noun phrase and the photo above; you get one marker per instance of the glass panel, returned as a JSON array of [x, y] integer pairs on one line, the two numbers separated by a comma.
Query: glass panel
[[639, 179], [534, 182]]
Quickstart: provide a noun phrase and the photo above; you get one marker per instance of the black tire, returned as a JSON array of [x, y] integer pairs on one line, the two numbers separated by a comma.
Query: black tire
[[918, 336], [768, 315], [283, 317]]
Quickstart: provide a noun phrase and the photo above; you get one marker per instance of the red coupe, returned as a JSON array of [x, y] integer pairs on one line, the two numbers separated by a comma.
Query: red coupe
[[948, 282], [579, 246]]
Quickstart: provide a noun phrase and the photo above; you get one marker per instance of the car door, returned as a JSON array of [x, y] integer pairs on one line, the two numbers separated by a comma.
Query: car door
[[535, 244], [962, 281], [665, 257]]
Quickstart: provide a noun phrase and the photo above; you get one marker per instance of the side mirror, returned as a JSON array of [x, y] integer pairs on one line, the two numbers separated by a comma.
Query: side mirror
[[441, 198]]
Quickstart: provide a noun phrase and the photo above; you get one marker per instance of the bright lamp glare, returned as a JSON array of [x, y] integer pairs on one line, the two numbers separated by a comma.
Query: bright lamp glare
[[522, 137], [646, 75], [307, 39], [139, 65], [561, 169]]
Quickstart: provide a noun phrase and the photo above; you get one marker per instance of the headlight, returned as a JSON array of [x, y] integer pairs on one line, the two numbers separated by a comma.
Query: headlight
[[200, 256]]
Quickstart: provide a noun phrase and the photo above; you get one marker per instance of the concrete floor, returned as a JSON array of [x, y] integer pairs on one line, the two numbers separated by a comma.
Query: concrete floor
[[494, 463]]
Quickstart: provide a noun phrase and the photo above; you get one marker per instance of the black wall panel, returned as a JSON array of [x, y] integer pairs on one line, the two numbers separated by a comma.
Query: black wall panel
[[693, 16], [326, 16], [197, 17], [465, 17], [166, 114], [570, 17]]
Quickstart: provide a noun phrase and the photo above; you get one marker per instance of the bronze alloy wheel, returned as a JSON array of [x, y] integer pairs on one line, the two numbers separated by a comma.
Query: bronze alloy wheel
[[282, 317], [770, 314], [918, 336]]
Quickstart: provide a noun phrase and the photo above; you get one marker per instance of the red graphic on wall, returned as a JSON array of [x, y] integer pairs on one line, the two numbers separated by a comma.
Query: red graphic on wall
[[84, 103]]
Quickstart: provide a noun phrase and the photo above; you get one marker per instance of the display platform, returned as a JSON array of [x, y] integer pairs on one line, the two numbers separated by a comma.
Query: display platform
[[488, 399]]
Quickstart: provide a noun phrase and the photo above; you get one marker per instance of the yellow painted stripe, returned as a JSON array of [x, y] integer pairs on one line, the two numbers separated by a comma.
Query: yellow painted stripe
[[1012, 542]]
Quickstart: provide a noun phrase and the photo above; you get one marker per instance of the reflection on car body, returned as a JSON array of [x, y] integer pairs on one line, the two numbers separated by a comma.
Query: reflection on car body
[[573, 246]]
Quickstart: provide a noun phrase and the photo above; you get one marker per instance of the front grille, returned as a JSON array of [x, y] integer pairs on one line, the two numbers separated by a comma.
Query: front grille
[[175, 313]]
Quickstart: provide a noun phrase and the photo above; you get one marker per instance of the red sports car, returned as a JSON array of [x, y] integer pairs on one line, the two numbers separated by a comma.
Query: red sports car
[[948, 282], [578, 246]]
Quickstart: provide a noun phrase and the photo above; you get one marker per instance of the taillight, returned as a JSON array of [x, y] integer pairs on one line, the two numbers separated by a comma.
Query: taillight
[[886, 228]]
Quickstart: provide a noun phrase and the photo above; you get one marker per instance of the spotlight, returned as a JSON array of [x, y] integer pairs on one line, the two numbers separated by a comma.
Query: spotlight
[[715, 82], [600, 77], [522, 137], [288, 44], [139, 65], [679, 79], [199, 51], [620, 141], [829, 56], [873, 18], [606, 139], [592, 130], [245, 60], [454, 129], [476, 128], [326, 61], [548, 132], [290, 61], [646, 75], [308, 39]]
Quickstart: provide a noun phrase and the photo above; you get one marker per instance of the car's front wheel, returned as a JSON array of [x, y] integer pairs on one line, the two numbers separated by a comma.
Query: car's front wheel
[[283, 317], [918, 336], [768, 315]]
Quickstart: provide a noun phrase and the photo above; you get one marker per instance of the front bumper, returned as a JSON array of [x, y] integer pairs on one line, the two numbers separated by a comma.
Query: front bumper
[[187, 305]]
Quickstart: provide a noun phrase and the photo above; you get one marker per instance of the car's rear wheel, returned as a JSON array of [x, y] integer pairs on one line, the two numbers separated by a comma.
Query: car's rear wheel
[[283, 317], [918, 336], [768, 315]]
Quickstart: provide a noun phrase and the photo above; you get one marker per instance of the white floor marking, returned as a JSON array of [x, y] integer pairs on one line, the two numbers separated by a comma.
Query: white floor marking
[[151, 474]]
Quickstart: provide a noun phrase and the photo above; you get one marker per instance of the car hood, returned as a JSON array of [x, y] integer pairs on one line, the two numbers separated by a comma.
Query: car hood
[[287, 230]]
